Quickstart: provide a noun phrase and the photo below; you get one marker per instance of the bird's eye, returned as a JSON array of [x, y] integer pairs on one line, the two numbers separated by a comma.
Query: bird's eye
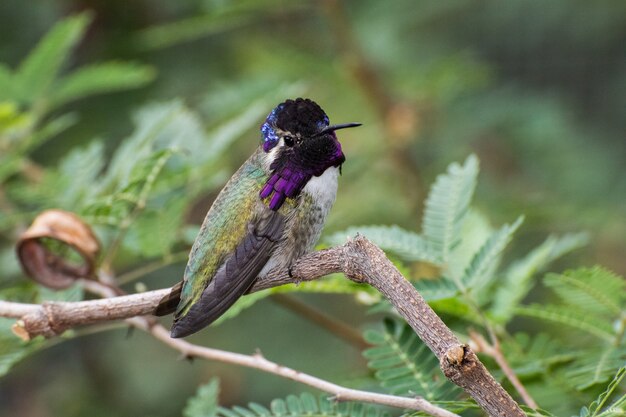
[[289, 140]]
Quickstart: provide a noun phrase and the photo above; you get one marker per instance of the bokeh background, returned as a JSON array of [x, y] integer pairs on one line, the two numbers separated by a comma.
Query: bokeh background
[[537, 90]]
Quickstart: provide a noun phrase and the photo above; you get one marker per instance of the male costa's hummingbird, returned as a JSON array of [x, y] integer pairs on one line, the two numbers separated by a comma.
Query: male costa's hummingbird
[[269, 214]]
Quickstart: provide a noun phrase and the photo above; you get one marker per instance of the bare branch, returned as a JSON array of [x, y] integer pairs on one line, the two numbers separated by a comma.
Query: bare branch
[[47, 319], [257, 361], [325, 321], [360, 261], [481, 345]]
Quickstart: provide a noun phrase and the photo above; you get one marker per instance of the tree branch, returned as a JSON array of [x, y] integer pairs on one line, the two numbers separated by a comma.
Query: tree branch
[[325, 321], [49, 318], [257, 361], [358, 259], [481, 345]]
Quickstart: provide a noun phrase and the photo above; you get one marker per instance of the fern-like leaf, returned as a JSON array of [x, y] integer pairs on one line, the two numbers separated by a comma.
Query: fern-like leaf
[[595, 366], [100, 78], [335, 284], [517, 278], [536, 355], [407, 245], [303, 405], [447, 205], [601, 407], [536, 412], [186, 30], [592, 289], [49, 130], [570, 316], [205, 402], [404, 365], [223, 135], [481, 269], [7, 84], [38, 71], [436, 289]]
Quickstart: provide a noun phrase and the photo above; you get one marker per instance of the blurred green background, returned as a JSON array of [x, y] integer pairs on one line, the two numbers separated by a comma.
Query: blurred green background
[[536, 89]]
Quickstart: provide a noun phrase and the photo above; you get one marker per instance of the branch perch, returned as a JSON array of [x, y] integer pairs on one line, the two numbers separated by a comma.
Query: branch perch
[[359, 259]]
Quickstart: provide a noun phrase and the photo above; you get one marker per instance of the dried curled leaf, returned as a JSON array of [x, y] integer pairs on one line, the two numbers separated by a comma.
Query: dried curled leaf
[[57, 249]]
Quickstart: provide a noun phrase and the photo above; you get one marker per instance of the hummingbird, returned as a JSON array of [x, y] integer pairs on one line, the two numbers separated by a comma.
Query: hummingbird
[[269, 213]]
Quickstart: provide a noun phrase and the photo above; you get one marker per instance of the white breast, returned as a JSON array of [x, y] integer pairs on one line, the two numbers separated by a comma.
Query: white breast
[[323, 189]]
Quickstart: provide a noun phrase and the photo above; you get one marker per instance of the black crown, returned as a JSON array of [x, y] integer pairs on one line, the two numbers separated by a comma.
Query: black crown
[[301, 115]]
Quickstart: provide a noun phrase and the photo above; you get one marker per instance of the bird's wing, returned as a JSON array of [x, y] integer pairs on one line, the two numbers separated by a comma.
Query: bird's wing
[[235, 242], [224, 227], [235, 276]]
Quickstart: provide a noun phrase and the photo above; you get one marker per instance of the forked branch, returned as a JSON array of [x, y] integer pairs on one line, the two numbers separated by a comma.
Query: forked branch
[[359, 259]]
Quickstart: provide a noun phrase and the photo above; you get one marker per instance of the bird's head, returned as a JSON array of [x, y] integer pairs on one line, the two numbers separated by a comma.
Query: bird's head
[[300, 143]]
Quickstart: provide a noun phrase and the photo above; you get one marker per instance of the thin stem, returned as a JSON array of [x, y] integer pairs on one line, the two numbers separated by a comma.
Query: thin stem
[[325, 321], [141, 201], [132, 275], [495, 352], [257, 361]]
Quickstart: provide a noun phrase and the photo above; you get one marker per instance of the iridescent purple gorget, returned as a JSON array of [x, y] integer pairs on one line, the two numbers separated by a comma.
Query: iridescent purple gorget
[[310, 147]]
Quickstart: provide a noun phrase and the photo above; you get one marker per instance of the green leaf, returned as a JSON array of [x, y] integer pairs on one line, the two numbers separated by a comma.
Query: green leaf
[[77, 174], [242, 304], [157, 230], [446, 207], [335, 284], [617, 408], [205, 402], [12, 349], [532, 412], [517, 279], [407, 245], [123, 205], [49, 130], [227, 16], [570, 316], [404, 365], [100, 78], [225, 133], [145, 173], [481, 269], [161, 126], [535, 355], [185, 30], [436, 289], [475, 232], [595, 366], [304, 405], [458, 307], [38, 71], [7, 84], [594, 289]]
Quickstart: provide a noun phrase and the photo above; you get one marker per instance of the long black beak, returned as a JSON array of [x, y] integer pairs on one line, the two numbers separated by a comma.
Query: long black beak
[[332, 128]]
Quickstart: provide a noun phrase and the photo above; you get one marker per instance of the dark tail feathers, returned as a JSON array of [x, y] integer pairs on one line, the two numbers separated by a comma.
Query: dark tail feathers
[[169, 303]]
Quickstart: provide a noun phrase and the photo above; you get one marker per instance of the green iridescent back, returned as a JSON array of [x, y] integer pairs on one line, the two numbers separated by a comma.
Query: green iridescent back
[[222, 230]]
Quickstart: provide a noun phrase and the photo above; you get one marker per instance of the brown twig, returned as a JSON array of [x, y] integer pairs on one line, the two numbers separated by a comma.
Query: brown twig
[[494, 351], [46, 319], [360, 261], [257, 361], [331, 324]]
